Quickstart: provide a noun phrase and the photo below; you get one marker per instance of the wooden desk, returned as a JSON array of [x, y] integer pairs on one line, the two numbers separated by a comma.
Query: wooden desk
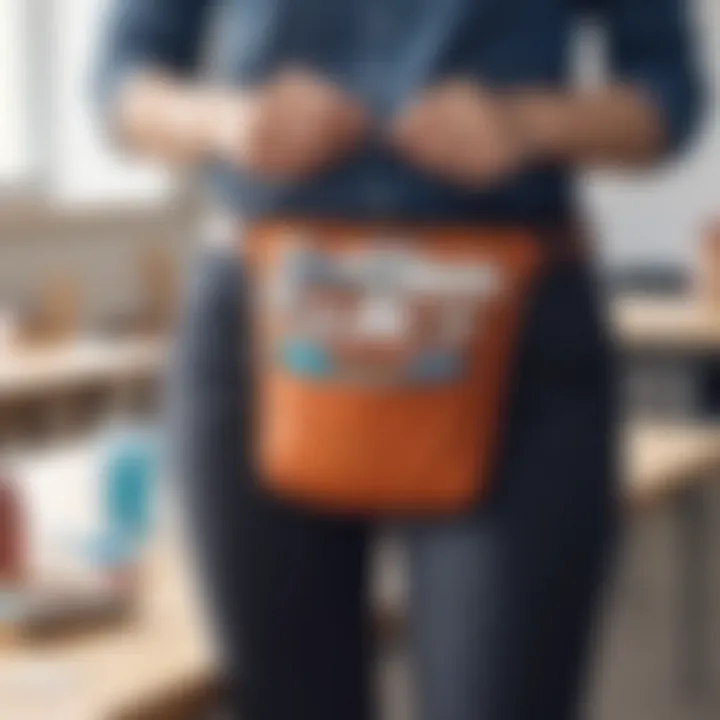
[[163, 649], [677, 324], [162, 666], [164, 653], [673, 463], [78, 364], [686, 332], [663, 460]]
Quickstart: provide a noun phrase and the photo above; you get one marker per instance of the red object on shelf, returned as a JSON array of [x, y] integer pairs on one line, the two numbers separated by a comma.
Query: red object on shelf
[[12, 532]]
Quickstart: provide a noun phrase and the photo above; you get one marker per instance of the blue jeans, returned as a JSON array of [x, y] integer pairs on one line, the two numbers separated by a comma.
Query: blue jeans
[[502, 599]]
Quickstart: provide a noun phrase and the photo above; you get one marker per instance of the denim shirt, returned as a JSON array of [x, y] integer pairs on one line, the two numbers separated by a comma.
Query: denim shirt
[[387, 51]]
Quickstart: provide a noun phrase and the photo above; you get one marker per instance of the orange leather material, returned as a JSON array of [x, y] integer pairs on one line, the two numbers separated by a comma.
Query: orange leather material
[[384, 446]]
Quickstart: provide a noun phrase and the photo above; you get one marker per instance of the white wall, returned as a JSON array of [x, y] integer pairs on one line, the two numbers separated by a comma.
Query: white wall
[[84, 169], [14, 121], [657, 219]]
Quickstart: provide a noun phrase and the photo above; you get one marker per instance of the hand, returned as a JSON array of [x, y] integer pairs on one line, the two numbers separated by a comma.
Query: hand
[[463, 133], [290, 128]]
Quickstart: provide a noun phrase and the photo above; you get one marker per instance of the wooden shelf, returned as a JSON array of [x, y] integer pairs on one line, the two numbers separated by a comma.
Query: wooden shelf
[[33, 373]]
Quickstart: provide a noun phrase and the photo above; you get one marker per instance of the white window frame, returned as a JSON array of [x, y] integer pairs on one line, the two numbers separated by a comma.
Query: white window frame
[[29, 200]]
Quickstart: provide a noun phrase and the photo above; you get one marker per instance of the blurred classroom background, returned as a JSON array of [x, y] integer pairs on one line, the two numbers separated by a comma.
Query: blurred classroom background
[[98, 617]]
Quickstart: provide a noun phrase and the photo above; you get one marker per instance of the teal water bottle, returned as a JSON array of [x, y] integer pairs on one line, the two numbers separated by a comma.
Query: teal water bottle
[[128, 479]]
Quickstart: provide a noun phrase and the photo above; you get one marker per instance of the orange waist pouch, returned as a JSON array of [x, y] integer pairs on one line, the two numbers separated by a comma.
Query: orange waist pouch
[[383, 359]]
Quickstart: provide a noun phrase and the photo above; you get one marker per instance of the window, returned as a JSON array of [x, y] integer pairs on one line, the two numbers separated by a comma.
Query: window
[[656, 219], [15, 142], [84, 169], [51, 148]]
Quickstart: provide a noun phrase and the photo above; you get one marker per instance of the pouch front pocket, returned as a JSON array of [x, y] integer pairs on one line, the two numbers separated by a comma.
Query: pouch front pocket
[[383, 364]]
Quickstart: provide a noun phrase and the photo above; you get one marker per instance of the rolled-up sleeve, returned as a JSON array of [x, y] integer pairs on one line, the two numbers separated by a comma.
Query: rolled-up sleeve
[[651, 46], [139, 34]]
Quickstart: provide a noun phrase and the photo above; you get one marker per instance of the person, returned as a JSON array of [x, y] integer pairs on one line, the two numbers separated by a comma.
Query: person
[[426, 112]]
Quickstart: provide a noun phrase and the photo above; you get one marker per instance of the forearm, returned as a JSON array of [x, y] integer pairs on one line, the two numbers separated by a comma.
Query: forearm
[[612, 126], [164, 118], [159, 116], [294, 125]]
